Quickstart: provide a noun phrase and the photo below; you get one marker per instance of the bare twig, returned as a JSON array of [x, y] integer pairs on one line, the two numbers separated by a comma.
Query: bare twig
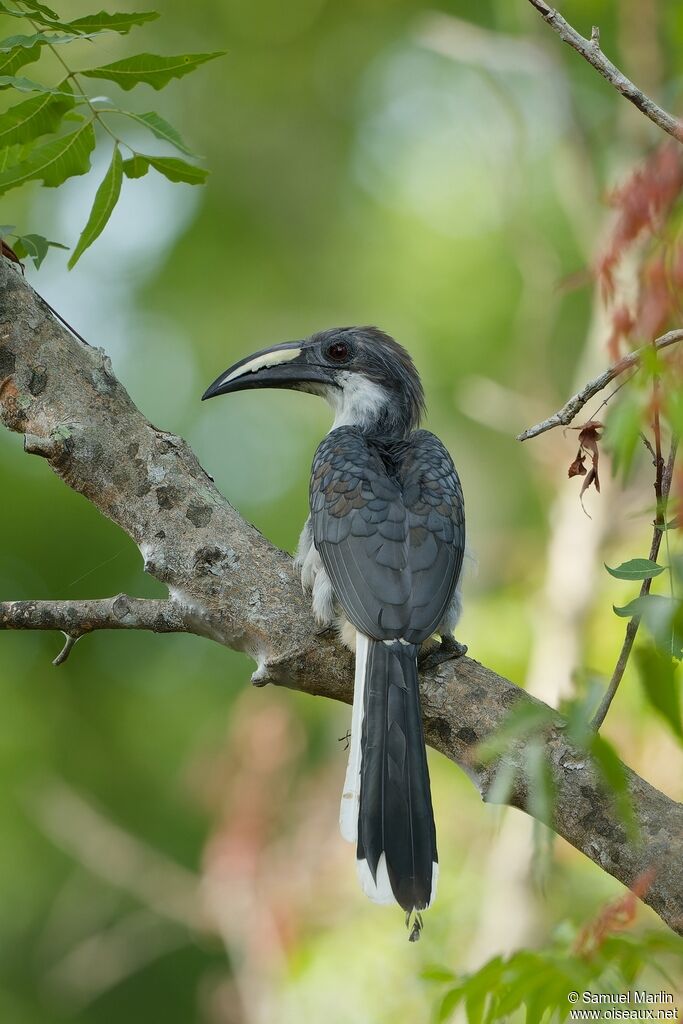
[[590, 51], [663, 478], [570, 409], [76, 618]]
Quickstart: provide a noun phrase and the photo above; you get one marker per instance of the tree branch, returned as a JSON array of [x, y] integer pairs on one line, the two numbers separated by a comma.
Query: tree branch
[[564, 416], [228, 583], [76, 618], [591, 52]]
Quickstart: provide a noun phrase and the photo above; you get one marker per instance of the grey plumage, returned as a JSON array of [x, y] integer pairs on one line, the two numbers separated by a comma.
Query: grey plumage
[[383, 549]]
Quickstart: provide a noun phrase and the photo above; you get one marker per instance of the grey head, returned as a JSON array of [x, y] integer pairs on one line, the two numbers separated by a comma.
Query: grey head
[[368, 378]]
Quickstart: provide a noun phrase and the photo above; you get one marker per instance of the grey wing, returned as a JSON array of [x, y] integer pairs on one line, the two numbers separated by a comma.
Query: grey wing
[[360, 528], [392, 546], [434, 503]]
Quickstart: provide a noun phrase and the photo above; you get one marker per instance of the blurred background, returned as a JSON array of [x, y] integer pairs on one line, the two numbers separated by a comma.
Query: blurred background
[[169, 846]]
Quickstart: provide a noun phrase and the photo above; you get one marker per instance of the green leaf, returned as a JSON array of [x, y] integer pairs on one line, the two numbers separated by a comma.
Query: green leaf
[[37, 39], [103, 22], [622, 433], [106, 199], [135, 167], [653, 604], [37, 8], [613, 776], [161, 128], [16, 58], [636, 569], [658, 677], [53, 162], [178, 170], [433, 972], [662, 616], [36, 247], [150, 68], [170, 166], [26, 85], [28, 120], [36, 17], [450, 1001], [523, 719]]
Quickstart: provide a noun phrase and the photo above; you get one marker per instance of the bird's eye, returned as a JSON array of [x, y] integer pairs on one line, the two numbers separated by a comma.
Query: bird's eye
[[338, 352]]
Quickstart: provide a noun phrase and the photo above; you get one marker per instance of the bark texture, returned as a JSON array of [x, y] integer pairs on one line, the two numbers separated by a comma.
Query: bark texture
[[226, 582]]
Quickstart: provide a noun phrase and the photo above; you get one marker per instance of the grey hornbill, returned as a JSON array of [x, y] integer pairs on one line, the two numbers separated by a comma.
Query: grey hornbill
[[382, 554]]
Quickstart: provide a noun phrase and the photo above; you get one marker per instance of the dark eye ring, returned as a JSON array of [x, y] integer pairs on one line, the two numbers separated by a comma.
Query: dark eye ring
[[338, 352]]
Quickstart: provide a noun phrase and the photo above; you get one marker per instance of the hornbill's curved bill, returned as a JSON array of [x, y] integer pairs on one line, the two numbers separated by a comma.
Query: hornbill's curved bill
[[381, 553]]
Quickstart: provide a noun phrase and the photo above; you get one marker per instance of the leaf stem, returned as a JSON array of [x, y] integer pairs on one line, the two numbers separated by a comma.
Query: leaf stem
[[663, 478]]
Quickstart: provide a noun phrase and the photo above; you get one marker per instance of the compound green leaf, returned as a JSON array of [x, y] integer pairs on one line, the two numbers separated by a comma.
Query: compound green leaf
[[35, 117], [150, 68], [106, 199], [53, 162]]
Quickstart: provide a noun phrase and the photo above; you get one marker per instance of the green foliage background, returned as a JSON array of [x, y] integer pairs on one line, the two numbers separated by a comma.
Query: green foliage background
[[357, 175]]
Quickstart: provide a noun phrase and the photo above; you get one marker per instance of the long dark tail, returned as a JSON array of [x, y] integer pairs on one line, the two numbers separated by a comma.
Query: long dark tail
[[396, 838]]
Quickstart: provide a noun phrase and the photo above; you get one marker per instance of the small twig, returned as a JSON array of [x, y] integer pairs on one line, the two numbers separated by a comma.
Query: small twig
[[648, 445], [566, 414], [69, 644], [590, 51], [663, 478], [77, 618]]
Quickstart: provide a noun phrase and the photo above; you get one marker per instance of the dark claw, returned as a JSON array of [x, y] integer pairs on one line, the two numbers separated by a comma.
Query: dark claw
[[448, 650], [325, 631]]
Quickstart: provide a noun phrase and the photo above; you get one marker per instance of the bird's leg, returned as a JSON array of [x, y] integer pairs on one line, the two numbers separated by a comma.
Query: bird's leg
[[345, 739], [448, 649]]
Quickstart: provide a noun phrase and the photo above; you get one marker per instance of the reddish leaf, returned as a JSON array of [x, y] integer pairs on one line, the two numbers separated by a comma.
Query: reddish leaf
[[578, 466], [589, 438], [614, 917]]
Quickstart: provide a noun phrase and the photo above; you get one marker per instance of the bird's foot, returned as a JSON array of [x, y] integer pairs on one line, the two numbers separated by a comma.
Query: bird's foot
[[326, 631], [346, 739], [448, 649]]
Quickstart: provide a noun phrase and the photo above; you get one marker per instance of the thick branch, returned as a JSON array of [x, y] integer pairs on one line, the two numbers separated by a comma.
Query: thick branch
[[564, 416], [590, 51], [228, 583]]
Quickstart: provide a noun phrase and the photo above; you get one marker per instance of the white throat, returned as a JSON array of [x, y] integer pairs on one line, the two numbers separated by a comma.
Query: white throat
[[357, 402]]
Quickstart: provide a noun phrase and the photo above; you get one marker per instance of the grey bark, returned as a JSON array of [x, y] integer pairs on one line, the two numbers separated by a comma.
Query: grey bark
[[226, 582]]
